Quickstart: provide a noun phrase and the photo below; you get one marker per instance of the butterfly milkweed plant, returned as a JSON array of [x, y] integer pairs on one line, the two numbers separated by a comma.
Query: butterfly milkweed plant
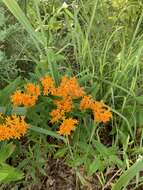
[[66, 102], [64, 112]]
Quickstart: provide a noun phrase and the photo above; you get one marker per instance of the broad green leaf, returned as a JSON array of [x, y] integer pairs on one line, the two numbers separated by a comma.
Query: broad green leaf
[[94, 166], [125, 178], [5, 151], [8, 173], [3, 175]]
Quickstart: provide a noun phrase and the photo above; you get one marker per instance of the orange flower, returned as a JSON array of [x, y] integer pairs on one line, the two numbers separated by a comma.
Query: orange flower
[[29, 100], [32, 89], [103, 117], [101, 112], [86, 103], [70, 87], [67, 126], [75, 90], [56, 115], [63, 106], [13, 127], [26, 99], [17, 98], [48, 85]]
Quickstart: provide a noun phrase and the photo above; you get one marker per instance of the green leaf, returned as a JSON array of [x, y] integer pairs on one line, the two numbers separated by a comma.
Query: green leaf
[[2, 109], [124, 179], [53, 67], [139, 117], [47, 132], [85, 78], [61, 152], [94, 166], [139, 99], [5, 151], [78, 161], [103, 150], [8, 173], [134, 117], [8, 90], [19, 110], [115, 160], [3, 175]]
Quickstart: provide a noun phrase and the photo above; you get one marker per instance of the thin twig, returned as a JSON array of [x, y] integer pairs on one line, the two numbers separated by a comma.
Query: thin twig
[[109, 182]]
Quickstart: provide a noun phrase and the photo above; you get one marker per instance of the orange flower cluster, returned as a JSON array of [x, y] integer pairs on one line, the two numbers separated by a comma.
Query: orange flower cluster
[[32, 89], [100, 111], [28, 98], [63, 106], [13, 127], [67, 92], [70, 87], [48, 85], [67, 87], [86, 103], [67, 126]]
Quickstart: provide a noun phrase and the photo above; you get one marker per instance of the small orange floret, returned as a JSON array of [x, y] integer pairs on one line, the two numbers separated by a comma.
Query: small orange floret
[[63, 106], [17, 98], [32, 89], [101, 112], [56, 115], [29, 100], [26, 99], [67, 126], [86, 103], [75, 90], [13, 127], [48, 85]]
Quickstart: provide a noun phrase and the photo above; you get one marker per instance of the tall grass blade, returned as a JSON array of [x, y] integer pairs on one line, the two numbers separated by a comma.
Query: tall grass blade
[[13, 6], [125, 178]]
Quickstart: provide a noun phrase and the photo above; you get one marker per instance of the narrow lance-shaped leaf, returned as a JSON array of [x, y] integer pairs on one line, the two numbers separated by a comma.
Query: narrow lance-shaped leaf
[[47, 132], [124, 179]]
